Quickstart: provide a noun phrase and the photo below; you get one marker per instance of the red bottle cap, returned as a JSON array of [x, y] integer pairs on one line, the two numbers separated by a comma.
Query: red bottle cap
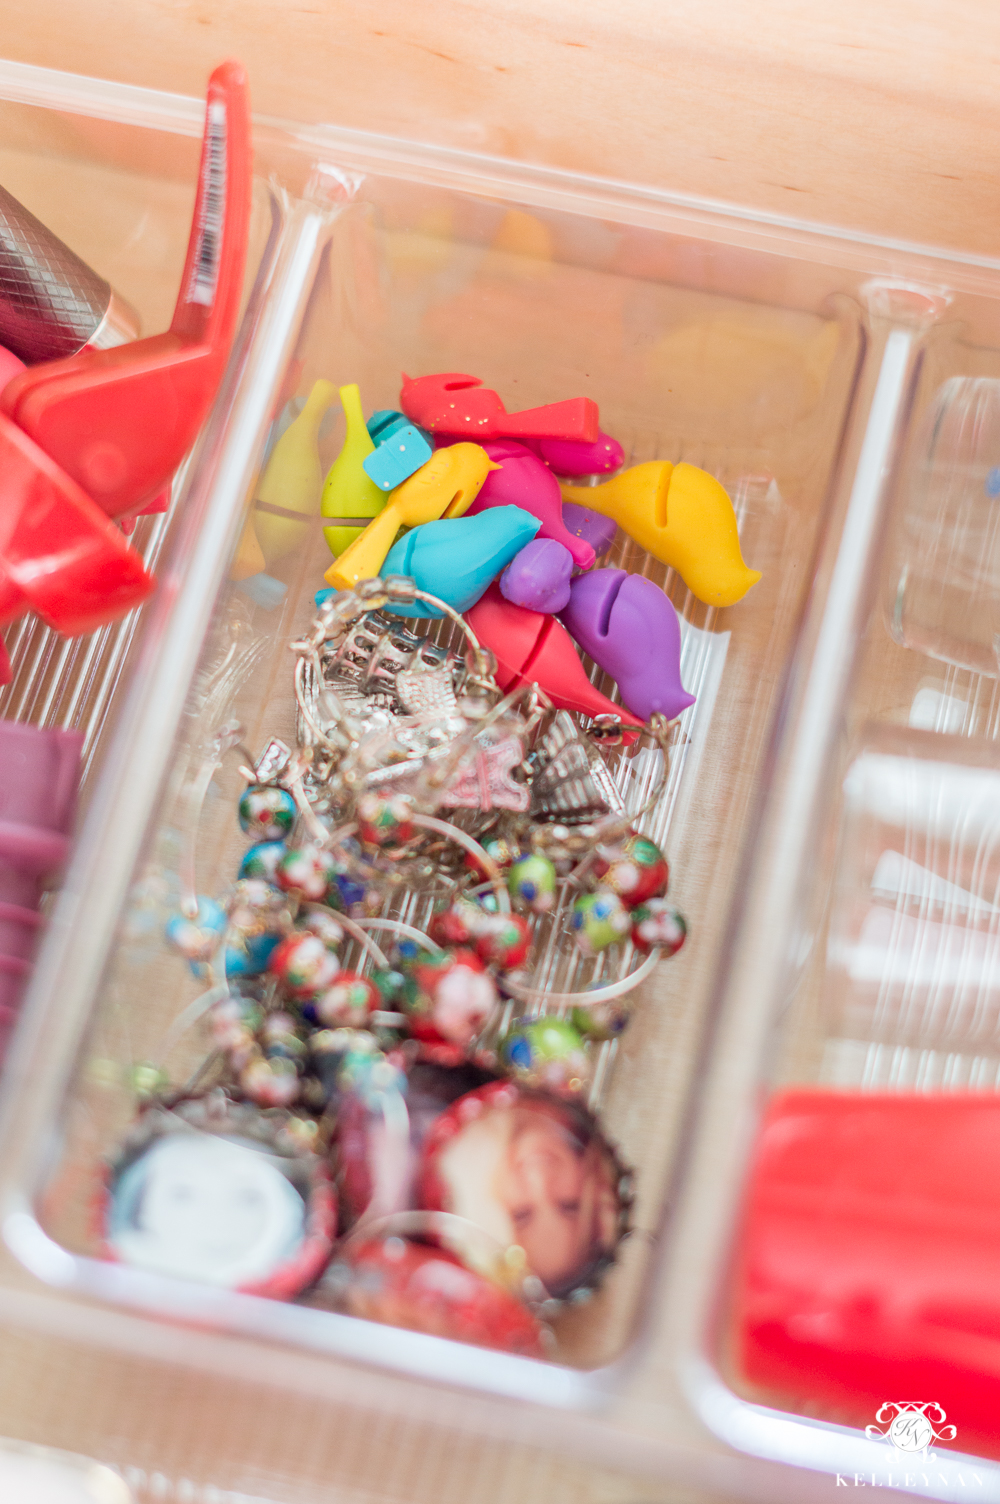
[[461, 406], [429, 1290], [120, 421], [533, 648]]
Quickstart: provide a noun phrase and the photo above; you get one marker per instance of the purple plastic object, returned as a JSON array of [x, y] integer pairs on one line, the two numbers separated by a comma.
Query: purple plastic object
[[630, 629], [570, 457], [39, 774], [538, 576], [594, 529], [524, 481]]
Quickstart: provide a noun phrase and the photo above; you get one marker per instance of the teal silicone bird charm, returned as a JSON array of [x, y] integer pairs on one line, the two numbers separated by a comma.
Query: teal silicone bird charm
[[457, 558]]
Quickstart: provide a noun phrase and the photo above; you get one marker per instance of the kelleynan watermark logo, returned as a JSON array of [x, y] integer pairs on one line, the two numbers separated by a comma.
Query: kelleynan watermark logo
[[910, 1427]]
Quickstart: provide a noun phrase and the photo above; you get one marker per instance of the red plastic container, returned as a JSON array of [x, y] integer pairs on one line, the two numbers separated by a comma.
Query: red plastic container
[[869, 1258]]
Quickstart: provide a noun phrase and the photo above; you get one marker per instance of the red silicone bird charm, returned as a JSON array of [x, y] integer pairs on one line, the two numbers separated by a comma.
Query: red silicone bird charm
[[460, 406], [533, 648]]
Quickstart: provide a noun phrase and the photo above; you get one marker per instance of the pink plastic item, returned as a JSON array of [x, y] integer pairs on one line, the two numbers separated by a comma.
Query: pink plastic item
[[568, 458], [524, 481], [39, 773]]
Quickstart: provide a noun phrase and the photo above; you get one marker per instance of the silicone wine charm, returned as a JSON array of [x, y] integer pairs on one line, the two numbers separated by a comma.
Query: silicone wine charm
[[456, 559], [445, 487], [568, 458], [522, 480], [531, 648], [460, 406], [118, 422], [630, 629], [288, 493], [539, 576], [400, 449], [350, 496], [594, 529], [39, 772], [684, 518], [382, 422]]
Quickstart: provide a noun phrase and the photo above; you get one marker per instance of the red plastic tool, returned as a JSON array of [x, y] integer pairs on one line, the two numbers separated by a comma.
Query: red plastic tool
[[59, 554], [460, 406], [867, 1265], [120, 421], [533, 648], [100, 434]]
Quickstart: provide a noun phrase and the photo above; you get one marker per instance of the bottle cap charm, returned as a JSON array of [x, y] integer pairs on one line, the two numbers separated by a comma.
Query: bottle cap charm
[[534, 1171], [221, 1192]]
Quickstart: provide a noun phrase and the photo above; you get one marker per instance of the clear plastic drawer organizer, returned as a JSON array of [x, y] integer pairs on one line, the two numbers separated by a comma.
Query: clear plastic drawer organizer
[[843, 393]]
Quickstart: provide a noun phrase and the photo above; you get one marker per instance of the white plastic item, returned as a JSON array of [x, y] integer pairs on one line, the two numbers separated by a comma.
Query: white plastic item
[[793, 363]]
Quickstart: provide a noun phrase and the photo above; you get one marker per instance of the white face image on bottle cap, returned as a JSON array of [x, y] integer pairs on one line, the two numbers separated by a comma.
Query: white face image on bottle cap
[[206, 1208]]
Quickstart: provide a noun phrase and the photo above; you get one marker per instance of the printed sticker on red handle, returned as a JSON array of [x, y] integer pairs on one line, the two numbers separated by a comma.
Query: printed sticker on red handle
[[460, 406], [120, 421]]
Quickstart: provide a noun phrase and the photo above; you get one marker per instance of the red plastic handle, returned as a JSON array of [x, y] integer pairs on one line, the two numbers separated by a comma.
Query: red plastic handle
[[120, 421], [59, 554]]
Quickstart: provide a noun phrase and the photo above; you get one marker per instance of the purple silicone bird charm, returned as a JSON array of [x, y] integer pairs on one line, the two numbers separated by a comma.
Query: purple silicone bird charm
[[630, 629], [538, 576], [524, 481], [594, 529]]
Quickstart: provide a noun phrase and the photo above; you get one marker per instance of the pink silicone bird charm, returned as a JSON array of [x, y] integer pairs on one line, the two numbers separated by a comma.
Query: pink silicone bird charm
[[525, 481]]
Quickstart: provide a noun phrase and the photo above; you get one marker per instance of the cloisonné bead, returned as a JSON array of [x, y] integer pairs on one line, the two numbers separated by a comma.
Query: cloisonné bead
[[658, 923], [266, 813], [598, 920]]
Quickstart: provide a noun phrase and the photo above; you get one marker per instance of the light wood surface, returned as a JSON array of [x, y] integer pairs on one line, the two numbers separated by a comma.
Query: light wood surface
[[878, 115]]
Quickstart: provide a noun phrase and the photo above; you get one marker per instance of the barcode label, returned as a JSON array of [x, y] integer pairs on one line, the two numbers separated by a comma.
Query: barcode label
[[212, 209]]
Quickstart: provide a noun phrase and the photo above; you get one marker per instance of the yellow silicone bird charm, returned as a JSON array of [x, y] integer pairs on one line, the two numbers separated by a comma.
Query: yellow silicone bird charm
[[445, 487], [349, 493], [249, 558], [684, 518], [288, 492], [293, 479]]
